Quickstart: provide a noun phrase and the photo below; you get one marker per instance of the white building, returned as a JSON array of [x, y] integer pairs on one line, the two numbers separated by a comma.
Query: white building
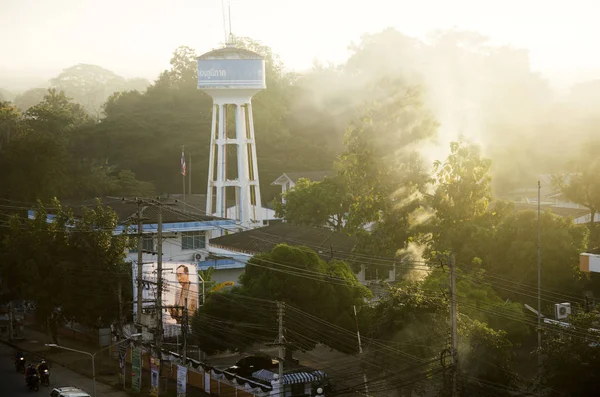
[[186, 232], [288, 180]]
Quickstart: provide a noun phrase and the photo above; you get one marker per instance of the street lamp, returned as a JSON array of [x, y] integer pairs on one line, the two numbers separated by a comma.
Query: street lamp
[[92, 355]]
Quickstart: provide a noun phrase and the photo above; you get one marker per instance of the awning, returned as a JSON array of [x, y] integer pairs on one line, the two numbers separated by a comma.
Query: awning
[[290, 378]]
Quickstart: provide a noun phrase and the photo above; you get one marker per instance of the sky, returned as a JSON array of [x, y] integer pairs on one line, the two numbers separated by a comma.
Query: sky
[[135, 38]]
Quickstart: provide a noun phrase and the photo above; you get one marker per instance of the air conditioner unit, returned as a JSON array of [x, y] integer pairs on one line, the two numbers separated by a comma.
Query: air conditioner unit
[[197, 257], [562, 310]]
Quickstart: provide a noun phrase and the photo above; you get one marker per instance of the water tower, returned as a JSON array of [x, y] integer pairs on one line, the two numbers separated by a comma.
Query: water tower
[[232, 76]]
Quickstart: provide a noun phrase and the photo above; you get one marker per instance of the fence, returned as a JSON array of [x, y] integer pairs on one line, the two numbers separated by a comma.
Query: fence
[[210, 380]]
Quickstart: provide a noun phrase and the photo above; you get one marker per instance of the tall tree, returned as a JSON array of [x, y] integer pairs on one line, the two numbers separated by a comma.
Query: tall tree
[[10, 123], [379, 164], [66, 262], [323, 203], [91, 85], [413, 318], [296, 276], [462, 195], [47, 159], [30, 98], [581, 185], [571, 357], [511, 253]]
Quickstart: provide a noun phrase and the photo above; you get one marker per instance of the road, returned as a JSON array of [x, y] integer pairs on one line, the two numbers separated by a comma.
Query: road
[[13, 383]]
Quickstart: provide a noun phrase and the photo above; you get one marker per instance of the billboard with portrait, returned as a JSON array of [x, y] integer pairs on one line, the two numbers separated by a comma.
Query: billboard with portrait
[[180, 285]]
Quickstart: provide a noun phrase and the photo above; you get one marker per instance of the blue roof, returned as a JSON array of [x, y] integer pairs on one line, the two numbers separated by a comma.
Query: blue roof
[[225, 263]]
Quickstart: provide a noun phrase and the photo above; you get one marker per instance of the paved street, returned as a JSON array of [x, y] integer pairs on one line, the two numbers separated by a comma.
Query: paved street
[[13, 383]]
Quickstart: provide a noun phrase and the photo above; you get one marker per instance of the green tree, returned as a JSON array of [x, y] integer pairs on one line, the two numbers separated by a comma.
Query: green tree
[[478, 300], [91, 85], [297, 277], [462, 195], [486, 361], [30, 98], [581, 186], [56, 114], [512, 253], [413, 319], [379, 164], [48, 156], [10, 123], [66, 263], [572, 357], [408, 319], [323, 203]]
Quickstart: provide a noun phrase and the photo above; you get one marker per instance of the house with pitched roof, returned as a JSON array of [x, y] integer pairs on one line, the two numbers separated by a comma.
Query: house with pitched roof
[[288, 180]]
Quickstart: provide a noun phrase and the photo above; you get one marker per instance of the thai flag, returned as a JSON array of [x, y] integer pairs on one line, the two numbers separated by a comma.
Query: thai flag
[[183, 167]]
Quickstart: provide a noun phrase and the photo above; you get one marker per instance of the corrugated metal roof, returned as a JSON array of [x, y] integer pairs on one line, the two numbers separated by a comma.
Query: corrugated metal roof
[[174, 211], [327, 243]]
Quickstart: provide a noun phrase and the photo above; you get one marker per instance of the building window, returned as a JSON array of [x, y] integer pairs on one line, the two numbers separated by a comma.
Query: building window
[[147, 244], [193, 240]]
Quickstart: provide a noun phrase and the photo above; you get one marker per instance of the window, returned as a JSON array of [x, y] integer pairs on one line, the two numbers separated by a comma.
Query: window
[[147, 244], [193, 240]]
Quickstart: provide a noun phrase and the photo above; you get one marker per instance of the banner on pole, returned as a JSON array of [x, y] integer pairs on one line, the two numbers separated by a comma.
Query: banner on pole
[[181, 380], [136, 370], [122, 363], [154, 375]]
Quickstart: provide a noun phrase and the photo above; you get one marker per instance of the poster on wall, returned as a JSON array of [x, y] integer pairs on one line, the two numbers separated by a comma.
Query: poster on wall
[[136, 369], [154, 373], [181, 380], [180, 283]]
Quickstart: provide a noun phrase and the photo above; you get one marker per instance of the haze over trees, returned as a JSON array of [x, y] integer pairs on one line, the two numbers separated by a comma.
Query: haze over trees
[[421, 138], [90, 86], [301, 120]]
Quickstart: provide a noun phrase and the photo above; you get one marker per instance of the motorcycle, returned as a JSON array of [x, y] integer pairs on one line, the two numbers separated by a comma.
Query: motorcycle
[[20, 364], [45, 378], [33, 382]]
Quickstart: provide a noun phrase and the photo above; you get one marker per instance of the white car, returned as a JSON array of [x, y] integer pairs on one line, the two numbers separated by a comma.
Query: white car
[[68, 392]]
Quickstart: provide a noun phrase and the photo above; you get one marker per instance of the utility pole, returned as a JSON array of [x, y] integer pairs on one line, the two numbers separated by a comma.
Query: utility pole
[[453, 320], [11, 318], [159, 286], [280, 310], [539, 277], [120, 299], [184, 330], [140, 265], [360, 350], [158, 337]]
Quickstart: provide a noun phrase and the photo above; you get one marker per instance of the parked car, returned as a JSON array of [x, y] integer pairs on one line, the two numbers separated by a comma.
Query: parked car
[[247, 365], [68, 391]]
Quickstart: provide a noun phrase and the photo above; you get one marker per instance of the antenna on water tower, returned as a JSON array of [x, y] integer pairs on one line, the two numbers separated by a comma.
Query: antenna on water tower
[[227, 22], [230, 31], [225, 35]]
